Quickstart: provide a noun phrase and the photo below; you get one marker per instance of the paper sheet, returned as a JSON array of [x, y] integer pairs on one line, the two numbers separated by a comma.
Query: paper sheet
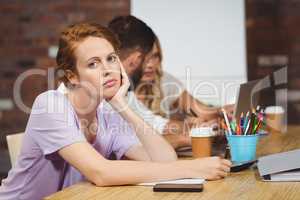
[[177, 181], [286, 176]]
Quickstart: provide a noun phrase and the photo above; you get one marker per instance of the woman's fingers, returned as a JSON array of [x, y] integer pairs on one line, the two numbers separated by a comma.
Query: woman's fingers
[[125, 79], [216, 177], [226, 162], [118, 100], [222, 173], [225, 168]]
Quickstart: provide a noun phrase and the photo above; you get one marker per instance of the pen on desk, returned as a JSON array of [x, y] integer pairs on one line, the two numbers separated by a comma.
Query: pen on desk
[[226, 121], [257, 109], [242, 123], [252, 122], [246, 121], [238, 129], [257, 125], [233, 126], [223, 125], [263, 114], [249, 124], [247, 127], [193, 113]]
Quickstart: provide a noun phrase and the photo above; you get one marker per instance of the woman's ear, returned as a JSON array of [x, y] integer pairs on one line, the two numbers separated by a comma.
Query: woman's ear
[[72, 77]]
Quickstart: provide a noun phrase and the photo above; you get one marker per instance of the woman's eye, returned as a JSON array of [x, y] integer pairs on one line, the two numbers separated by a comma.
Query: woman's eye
[[112, 58], [156, 56], [93, 65]]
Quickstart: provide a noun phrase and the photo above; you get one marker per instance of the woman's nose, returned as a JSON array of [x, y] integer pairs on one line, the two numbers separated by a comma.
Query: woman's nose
[[106, 72], [149, 65], [107, 69], [152, 62]]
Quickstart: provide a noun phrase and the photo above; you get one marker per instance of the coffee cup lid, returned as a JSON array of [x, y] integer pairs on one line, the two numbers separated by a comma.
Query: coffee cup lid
[[274, 110], [202, 132]]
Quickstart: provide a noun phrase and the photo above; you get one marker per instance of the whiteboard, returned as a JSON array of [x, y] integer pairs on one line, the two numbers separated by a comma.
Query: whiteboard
[[203, 42]]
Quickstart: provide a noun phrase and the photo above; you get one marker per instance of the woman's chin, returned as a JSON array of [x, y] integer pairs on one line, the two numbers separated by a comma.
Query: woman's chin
[[109, 94], [108, 97], [147, 79]]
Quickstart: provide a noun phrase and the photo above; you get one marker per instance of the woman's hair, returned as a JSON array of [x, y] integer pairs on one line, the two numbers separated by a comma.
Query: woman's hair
[[69, 40], [150, 93]]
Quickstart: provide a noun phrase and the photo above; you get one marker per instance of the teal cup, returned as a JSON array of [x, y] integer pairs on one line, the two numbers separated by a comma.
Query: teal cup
[[242, 147]]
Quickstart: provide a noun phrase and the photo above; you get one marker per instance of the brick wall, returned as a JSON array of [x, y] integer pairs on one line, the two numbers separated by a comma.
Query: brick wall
[[273, 40], [28, 29]]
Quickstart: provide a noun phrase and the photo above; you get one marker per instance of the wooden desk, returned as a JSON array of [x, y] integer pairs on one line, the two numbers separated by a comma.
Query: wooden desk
[[242, 185]]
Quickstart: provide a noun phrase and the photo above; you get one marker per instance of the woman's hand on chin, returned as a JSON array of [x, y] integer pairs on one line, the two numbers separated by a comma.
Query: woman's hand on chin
[[118, 101]]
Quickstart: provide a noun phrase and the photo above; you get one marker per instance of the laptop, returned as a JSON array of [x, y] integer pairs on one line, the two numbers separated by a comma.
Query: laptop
[[248, 96]]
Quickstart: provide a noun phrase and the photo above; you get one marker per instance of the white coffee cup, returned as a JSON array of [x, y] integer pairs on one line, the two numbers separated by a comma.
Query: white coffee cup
[[274, 118]]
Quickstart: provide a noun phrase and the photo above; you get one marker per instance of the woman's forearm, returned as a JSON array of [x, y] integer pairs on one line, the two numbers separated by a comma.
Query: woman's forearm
[[189, 104], [155, 145], [178, 140], [103, 172], [134, 172], [177, 133]]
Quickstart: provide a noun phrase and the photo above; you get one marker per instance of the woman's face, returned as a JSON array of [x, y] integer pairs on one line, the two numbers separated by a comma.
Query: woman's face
[[151, 64], [98, 67]]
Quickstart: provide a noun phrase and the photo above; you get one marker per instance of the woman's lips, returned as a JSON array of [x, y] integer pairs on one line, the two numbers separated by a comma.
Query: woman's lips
[[110, 83], [148, 73]]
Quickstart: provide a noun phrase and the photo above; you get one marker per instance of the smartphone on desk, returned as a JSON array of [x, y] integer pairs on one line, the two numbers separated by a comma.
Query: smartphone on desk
[[237, 167], [163, 187]]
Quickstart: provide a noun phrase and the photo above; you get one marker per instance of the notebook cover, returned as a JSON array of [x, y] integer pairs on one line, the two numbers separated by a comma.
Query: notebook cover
[[279, 162]]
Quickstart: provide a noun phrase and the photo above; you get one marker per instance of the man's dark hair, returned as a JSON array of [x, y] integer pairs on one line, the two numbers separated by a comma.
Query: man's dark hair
[[133, 33]]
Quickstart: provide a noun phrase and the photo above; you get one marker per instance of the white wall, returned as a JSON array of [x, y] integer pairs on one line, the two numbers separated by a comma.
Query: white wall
[[205, 38]]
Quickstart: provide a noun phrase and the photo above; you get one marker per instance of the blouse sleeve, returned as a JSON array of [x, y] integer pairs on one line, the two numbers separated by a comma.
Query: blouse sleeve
[[52, 123]]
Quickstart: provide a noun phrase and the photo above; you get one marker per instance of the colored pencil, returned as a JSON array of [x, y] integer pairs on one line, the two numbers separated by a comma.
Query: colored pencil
[[226, 121], [242, 123]]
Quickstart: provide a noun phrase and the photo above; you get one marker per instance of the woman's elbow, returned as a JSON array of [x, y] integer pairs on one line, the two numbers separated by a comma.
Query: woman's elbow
[[101, 177], [103, 180], [99, 182], [97, 178]]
